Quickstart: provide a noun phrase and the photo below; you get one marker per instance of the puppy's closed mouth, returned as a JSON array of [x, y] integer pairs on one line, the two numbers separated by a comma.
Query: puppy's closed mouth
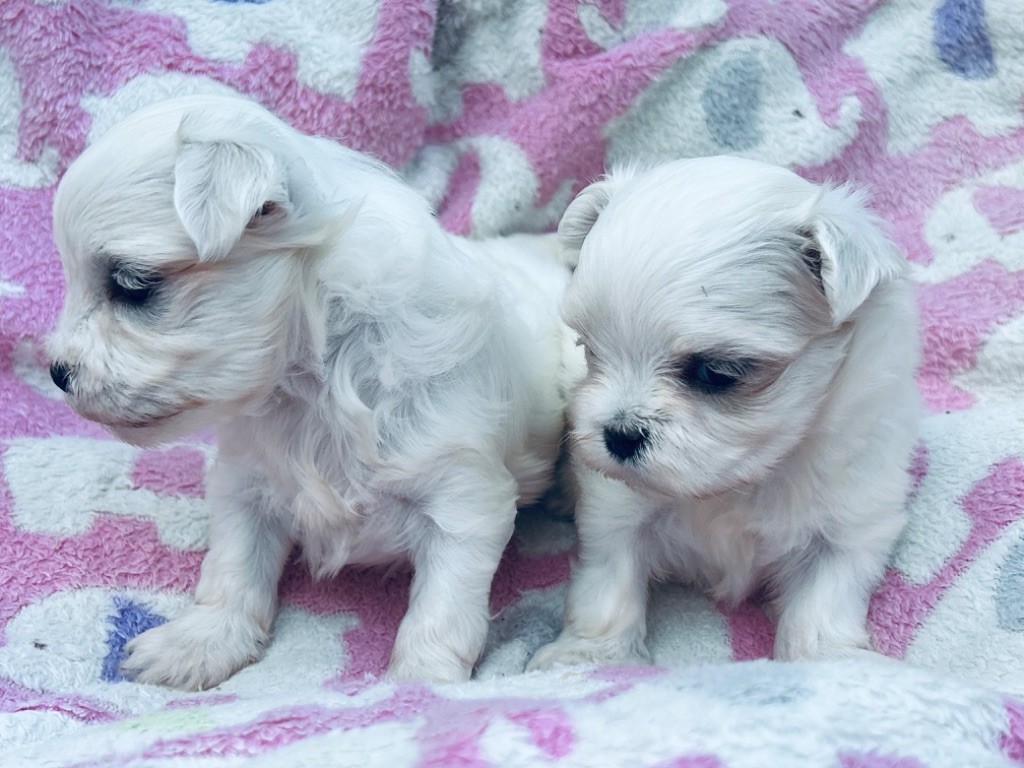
[[632, 474], [151, 422], [625, 472], [143, 423], [149, 431]]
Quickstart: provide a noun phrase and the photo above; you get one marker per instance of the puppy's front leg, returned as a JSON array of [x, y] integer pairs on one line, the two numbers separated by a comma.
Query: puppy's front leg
[[821, 601], [470, 523], [229, 624], [606, 606]]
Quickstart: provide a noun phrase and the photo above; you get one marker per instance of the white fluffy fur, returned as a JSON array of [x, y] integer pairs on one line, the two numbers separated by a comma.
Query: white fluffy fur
[[794, 481], [381, 390]]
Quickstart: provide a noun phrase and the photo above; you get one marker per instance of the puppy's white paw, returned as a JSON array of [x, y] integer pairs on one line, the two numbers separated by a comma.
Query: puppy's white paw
[[797, 641], [432, 668], [198, 650], [570, 649]]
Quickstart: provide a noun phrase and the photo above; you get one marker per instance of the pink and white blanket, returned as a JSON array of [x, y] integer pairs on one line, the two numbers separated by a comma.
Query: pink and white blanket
[[498, 111]]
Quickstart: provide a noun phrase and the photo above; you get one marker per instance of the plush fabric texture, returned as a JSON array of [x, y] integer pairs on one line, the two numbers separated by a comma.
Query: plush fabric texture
[[498, 111]]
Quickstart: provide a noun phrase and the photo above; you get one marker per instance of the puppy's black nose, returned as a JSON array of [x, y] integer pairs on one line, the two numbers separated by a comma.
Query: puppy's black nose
[[624, 442], [61, 375]]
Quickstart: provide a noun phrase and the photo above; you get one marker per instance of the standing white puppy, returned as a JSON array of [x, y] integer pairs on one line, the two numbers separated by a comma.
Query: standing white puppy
[[382, 391], [749, 408]]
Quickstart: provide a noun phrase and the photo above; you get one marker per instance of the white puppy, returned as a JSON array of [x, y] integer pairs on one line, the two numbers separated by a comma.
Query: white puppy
[[749, 406], [382, 390]]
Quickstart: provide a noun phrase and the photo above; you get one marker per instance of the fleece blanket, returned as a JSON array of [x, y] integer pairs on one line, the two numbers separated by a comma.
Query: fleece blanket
[[499, 111]]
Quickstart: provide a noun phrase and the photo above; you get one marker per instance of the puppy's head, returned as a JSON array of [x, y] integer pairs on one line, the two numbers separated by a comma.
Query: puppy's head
[[715, 298], [178, 232]]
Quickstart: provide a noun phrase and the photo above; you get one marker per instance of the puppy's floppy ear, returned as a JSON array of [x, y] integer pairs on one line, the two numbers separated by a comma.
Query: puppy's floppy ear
[[847, 251], [221, 185], [581, 215]]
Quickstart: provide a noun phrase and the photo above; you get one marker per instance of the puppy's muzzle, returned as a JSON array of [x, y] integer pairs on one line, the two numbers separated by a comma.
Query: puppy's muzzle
[[61, 375], [625, 442]]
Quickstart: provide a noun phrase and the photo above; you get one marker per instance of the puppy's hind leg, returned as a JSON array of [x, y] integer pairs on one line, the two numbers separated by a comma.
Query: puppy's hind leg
[[470, 523], [229, 624]]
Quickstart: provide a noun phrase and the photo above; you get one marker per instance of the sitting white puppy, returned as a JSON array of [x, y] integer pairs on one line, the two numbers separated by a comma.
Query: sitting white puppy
[[749, 407], [382, 390]]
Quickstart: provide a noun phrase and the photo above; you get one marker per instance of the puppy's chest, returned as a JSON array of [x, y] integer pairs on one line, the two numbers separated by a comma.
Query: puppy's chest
[[327, 492], [713, 547]]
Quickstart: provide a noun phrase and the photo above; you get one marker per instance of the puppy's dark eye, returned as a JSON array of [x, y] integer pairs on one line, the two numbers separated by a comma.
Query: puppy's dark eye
[[269, 208], [711, 375], [133, 289]]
